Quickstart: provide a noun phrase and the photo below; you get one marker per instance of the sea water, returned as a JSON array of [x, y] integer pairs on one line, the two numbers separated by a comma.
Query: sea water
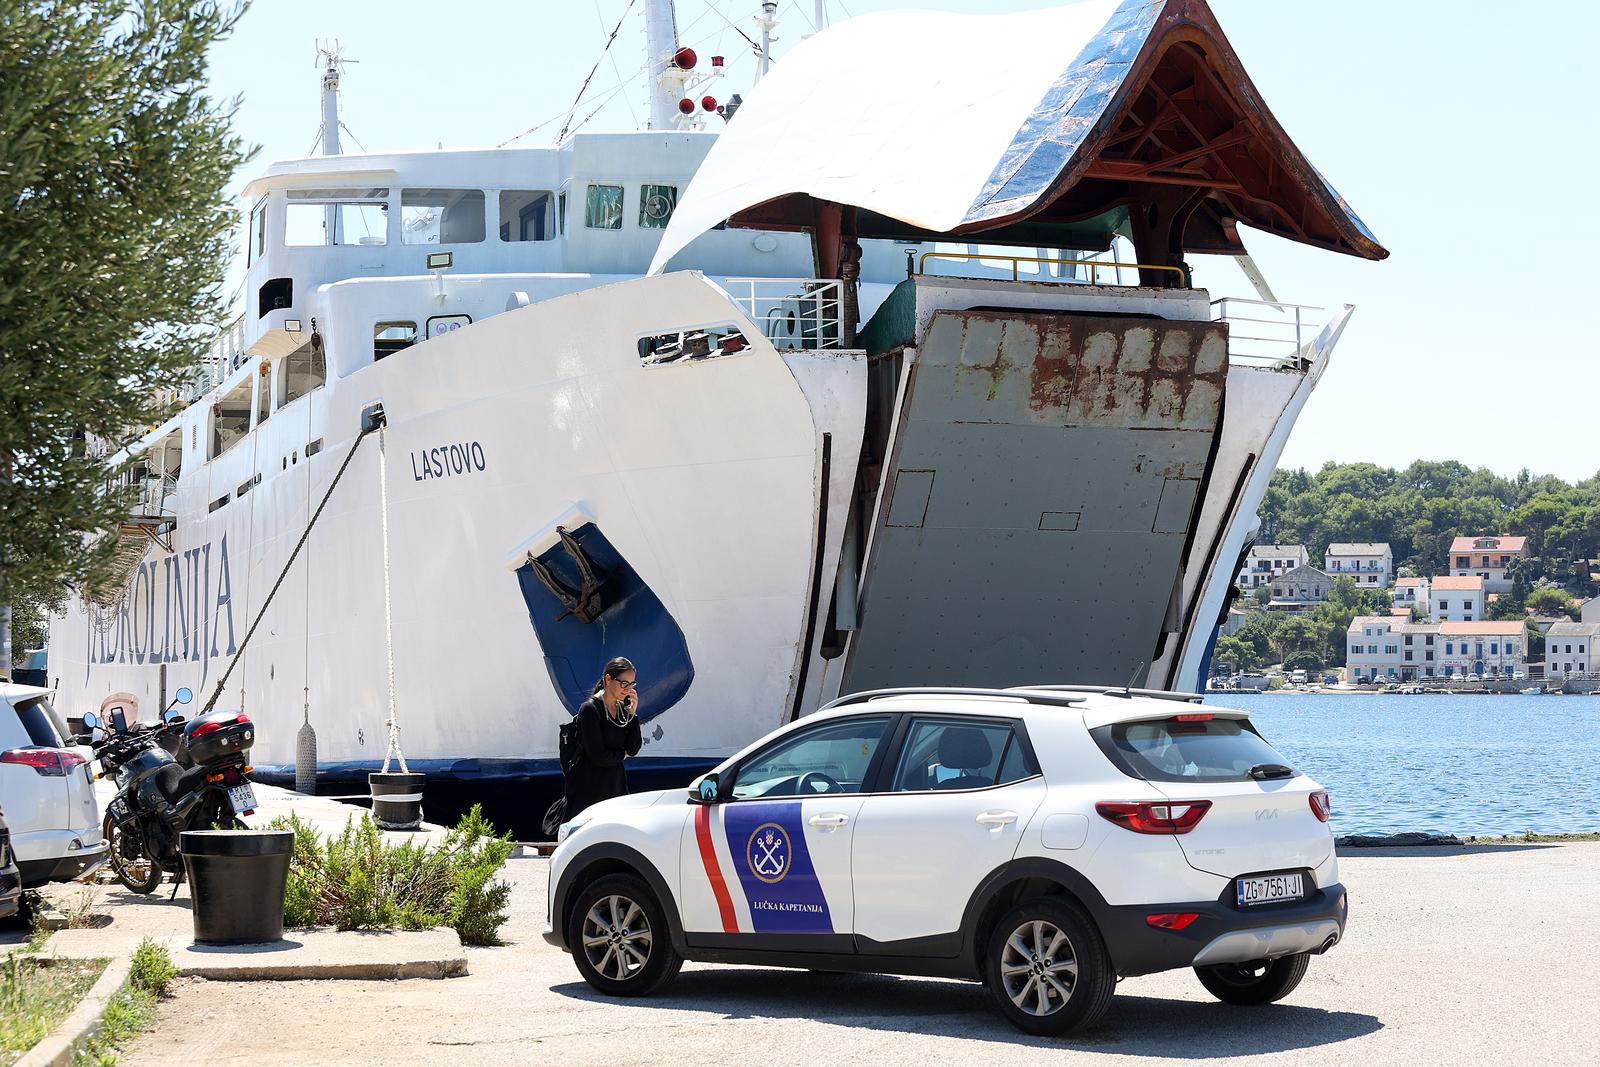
[[1441, 763]]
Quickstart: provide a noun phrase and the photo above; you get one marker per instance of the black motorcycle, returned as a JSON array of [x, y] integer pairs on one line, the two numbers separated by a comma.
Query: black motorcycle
[[199, 785]]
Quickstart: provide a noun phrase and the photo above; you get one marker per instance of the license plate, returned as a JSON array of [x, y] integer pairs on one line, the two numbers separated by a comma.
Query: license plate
[[1270, 888], [243, 799]]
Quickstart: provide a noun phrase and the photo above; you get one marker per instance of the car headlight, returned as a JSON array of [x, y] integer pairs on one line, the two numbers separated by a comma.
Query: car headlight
[[567, 827]]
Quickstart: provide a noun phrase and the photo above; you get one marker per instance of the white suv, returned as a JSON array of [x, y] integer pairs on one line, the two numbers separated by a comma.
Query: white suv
[[46, 791], [1045, 841]]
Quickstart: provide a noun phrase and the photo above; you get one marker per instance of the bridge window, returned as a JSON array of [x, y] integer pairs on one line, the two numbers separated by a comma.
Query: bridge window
[[656, 203], [391, 337], [322, 217], [525, 216], [603, 207], [256, 242], [441, 216]]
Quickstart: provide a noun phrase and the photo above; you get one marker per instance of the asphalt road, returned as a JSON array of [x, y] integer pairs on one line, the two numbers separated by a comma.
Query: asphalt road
[[1482, 955]]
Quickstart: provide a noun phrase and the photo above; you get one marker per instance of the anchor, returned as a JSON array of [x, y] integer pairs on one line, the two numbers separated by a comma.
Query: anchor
[[584, 602]]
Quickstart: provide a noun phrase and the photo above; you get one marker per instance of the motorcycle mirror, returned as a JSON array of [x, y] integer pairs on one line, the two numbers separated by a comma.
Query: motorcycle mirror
[[91, 720], [173, 715], [185, 695]]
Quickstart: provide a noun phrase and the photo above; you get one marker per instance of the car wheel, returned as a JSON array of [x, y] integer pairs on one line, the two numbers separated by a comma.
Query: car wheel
[[1256, 982], [128, 862], [1048, 968], [619, 938]]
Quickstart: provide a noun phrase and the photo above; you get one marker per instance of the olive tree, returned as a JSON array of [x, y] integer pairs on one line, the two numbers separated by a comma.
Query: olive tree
[[114, 239]]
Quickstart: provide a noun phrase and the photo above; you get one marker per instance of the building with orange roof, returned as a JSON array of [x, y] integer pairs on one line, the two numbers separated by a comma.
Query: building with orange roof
[[1487, 556], [1393, 649], [1409, 593]]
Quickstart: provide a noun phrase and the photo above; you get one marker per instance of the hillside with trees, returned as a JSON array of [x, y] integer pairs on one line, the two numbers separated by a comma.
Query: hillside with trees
[[1420, 509]]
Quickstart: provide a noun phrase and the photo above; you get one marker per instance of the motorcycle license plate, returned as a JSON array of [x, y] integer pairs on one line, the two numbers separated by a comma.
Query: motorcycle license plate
[[242, 797]]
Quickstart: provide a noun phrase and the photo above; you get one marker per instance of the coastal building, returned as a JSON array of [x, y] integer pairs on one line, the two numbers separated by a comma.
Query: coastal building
[[1377, 649], [1591, 610], [1369, 563], [1263, 563], [1569, 648], [1490, 649], [1457, 598], [1413, 594], [1300, 589], [1392, 649], [1488, 557]]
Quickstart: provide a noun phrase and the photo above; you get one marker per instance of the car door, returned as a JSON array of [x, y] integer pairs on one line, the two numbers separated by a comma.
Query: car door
[[768, 866], [951, 809]]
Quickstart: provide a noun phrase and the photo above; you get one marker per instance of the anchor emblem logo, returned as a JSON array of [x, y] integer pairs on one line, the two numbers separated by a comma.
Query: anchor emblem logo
[[768, 852]]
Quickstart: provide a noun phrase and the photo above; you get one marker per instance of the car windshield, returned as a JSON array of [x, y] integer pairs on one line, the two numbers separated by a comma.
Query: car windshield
[[1187, 750]]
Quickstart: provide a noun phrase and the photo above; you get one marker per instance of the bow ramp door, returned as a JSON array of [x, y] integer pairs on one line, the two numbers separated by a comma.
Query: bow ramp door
[[1043, 489]]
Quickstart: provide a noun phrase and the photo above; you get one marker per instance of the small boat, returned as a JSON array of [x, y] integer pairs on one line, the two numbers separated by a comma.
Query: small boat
[[1531, 691]]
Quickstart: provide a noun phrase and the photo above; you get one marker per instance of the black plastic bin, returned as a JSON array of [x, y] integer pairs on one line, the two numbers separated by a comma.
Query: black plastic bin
[[236, 878]]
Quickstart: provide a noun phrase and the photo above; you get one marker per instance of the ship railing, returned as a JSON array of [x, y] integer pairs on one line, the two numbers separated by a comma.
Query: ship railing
[[157, 498], [1084, 272], [1264, 331], [793, 314], [225, 354]]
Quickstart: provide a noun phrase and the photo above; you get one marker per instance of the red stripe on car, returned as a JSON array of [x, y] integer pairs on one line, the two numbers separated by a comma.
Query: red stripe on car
[[708, 856]]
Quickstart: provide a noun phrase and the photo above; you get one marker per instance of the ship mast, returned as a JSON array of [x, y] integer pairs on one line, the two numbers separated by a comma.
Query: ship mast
[[330, 60], [667, 78]]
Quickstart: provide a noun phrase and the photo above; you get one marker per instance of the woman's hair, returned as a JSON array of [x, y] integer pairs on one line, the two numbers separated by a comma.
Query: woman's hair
[[614, 669]]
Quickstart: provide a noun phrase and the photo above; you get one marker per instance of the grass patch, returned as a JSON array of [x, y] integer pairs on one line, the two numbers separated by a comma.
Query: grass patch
[[133, 1010], [359, 881], [35, 995]]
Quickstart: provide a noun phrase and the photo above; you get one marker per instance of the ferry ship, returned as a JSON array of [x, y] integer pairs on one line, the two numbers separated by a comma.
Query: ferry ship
[[917, 388]]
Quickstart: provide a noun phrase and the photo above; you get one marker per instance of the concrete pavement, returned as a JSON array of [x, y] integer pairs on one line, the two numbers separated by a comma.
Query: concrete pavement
[[1467, 955]]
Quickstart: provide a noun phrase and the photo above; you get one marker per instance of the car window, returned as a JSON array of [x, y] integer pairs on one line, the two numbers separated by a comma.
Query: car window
[[1188, 749], [954, 754], [35, 719], [829, 758]]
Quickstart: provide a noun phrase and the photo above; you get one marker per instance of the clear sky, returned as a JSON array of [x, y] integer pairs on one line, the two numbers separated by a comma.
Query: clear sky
[[1448, 126]]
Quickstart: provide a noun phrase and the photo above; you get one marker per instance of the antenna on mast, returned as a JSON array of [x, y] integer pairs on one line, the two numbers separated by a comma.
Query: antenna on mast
[[332, 61], [768, 21]]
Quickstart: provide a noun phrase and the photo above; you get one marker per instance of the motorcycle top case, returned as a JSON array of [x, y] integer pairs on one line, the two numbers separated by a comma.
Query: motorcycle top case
[[218, 736]]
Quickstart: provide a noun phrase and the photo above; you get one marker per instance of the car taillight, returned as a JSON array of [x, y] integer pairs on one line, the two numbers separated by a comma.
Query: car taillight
[[1321, 805], [1166, 817], [46, 761]]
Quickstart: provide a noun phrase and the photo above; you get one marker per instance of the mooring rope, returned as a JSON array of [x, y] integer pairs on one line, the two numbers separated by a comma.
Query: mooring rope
[[393, 752], [216, 693]]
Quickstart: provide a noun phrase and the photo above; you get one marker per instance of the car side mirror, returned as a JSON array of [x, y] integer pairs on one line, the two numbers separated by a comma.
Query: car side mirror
[[706, 790], [91, 720]]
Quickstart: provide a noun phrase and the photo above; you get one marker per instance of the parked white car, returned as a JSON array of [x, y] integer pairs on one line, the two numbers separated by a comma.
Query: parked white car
[[1044, 841], [46, 791]]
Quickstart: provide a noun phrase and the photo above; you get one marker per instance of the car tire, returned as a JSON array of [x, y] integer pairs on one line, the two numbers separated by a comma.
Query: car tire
[[1254, 983], [139, 874], [619, 938], [1050, 994]]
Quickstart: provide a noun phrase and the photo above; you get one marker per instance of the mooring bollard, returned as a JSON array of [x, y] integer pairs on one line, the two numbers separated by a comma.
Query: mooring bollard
[[396, 799]]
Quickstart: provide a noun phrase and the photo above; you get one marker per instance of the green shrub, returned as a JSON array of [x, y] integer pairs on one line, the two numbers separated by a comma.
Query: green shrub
[[152, 969], [359, 881]]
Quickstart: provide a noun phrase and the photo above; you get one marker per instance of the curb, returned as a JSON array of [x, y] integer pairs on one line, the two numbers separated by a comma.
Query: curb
[[375, 972], [83, 1023]]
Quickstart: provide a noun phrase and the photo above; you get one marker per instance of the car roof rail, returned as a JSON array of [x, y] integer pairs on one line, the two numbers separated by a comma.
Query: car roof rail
[[1030, 694], [1118, 691]]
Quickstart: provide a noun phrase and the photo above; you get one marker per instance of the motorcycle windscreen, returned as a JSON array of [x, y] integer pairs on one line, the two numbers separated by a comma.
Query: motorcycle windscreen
[[631, 621]]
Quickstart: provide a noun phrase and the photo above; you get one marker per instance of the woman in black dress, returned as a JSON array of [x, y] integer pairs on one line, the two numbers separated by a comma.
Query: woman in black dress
[[608, 733]]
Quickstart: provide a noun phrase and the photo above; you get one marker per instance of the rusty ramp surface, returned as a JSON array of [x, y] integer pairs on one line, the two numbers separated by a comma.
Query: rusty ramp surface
[[1044, 481]]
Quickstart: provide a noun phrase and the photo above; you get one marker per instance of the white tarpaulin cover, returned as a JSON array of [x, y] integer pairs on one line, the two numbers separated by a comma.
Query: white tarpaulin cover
[[905, 113]]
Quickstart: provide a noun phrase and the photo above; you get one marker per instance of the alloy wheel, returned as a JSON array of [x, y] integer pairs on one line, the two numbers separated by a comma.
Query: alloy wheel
[[1039, 968], [616, 937]]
